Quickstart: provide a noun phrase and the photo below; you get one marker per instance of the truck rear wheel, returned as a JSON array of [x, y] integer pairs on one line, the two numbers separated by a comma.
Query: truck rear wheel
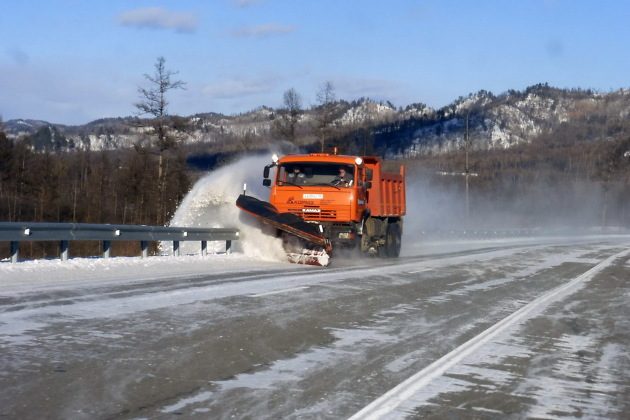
[[393, 240], [391, 248]]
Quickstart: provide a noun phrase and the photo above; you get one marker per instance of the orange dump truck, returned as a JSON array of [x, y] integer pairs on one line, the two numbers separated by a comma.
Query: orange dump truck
[[322, 201]]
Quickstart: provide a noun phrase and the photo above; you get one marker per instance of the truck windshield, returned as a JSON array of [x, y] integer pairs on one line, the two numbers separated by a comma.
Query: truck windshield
[[315, 173]]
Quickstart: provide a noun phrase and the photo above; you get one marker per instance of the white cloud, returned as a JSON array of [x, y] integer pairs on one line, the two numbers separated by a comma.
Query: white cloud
[[159, 18], [261, 31]]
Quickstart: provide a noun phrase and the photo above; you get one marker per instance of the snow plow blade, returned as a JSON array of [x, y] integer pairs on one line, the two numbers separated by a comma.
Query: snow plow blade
[[293, 225]]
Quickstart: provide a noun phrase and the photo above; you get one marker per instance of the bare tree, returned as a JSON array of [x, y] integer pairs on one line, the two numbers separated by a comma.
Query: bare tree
[[326, 100], [153, 102], [291, 113], [326, 93]]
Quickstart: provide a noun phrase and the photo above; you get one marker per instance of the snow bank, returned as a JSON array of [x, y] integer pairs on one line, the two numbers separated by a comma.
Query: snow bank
[[79, 272]]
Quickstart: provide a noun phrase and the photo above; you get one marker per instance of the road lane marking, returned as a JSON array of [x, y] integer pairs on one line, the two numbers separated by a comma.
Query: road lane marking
[[277, 292], [419, 271], [386, 405]]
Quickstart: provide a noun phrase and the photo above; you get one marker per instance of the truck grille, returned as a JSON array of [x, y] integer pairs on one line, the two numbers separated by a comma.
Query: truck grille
[[314, 213]]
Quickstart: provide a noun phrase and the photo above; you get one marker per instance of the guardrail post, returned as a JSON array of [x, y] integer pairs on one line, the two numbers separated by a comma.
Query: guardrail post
[[15, 251], [144, 246], [176, 248], [204, 248], [63, 250], [228, 247], [107, 246]]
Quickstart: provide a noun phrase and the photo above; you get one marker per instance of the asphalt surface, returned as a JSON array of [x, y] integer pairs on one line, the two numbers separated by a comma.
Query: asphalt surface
[[304, 342]]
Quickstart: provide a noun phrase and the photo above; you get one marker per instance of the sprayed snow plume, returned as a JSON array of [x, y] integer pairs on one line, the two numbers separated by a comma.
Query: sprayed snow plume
[[211, 203]]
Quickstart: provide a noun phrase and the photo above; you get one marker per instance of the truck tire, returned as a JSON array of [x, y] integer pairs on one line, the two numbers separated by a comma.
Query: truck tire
[[394, 236], [391, 248]]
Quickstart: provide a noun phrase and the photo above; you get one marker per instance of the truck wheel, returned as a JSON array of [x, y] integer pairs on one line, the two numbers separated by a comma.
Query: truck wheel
[[391, 248], [393, 240]]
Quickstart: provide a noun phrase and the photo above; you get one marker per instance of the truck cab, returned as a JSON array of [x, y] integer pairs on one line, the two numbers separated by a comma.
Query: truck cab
[[314, 189]]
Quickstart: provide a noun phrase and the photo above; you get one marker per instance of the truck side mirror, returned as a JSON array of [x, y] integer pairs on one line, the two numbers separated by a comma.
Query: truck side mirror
[[266, 182], [368, 174], [266, 172]]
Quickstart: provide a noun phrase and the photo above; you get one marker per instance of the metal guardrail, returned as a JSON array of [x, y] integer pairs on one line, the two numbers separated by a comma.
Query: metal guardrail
[[16, 232]]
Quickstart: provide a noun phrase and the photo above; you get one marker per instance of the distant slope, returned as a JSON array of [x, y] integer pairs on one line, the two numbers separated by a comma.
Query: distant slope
[[512, 118], [499, 122]]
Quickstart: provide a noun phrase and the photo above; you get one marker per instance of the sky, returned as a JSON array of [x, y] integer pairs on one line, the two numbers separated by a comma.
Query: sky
[[73, 61]]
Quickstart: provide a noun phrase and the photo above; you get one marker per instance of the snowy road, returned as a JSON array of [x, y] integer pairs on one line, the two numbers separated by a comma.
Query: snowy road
[[488, 329]]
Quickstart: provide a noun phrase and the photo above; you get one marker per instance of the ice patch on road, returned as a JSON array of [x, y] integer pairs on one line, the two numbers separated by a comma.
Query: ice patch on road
[[545, 262], [183, 403], [405, 361], [347, 345], [580, 383]]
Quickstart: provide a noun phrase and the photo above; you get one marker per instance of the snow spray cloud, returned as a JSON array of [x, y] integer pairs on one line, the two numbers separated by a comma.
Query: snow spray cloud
[[437, 205], [211, 203]]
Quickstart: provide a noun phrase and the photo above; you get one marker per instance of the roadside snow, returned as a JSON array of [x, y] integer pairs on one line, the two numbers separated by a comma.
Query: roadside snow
[[48, 274]]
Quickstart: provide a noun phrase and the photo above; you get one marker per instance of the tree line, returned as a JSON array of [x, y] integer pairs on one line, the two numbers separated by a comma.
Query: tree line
[[88, 187], [563, 177]]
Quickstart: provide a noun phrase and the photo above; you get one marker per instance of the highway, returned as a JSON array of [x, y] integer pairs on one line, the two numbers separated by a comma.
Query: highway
[[486, 329]]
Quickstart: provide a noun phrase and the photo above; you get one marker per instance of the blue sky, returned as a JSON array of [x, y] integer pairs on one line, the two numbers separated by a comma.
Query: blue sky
[[74, 61]]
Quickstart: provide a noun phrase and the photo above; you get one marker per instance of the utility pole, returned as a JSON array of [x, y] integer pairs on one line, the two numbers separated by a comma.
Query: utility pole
[[467, 169], [627, 156], [466, 174]]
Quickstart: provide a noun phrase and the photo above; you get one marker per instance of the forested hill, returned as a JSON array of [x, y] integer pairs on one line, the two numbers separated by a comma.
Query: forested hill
[[495, 122]]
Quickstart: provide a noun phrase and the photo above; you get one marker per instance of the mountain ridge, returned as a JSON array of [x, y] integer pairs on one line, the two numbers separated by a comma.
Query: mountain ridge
[[494, 122]]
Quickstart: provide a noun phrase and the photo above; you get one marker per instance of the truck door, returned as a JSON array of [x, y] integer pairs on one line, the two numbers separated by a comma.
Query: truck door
[[361, 191]]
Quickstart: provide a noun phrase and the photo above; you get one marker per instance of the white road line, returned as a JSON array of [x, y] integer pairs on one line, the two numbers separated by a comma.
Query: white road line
[[277, 292], [419, 271], [385, 405]]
